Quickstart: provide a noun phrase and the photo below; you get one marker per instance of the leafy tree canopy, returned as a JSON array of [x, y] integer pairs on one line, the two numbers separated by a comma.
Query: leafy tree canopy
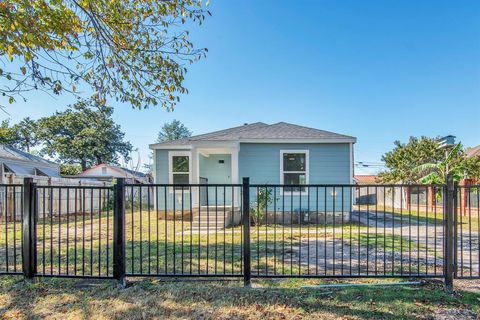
[[404, 157], [67, 169], [134, 51], [420, 160], [21, 135], [172, 131], [84, 134]]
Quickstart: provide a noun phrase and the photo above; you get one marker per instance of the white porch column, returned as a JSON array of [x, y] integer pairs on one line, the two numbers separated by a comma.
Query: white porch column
[[236, 175], [194, 179]]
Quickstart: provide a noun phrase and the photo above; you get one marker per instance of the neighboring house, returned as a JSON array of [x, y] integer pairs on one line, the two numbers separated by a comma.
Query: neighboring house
[[15, 165], [20, 164], [365, 179], [363, 194], [473, 152], [280, 153], [106, 172]]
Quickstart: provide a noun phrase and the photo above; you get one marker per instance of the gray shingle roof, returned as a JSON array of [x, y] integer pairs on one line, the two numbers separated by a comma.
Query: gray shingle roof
[[16, 154], [262, 131], [23, 163]]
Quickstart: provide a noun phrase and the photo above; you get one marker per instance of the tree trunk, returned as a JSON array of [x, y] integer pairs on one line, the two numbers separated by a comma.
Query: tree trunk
[[83, 163]]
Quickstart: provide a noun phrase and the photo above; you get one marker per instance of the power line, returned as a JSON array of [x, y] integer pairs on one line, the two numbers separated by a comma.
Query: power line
[[368, 164]]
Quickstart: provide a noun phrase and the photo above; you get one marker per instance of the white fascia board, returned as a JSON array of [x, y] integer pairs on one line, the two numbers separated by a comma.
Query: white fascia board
[[157, 146], [203, 144], [196, 144]]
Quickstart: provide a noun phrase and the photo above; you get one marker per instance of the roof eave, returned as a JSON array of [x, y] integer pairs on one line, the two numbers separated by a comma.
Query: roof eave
[[160, 146]]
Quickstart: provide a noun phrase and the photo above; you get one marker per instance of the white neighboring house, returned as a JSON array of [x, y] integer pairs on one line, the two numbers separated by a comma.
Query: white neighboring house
[[106, 172], [18, 164]]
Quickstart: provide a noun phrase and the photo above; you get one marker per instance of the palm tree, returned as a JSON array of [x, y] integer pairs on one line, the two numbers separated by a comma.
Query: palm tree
[[436, 173]]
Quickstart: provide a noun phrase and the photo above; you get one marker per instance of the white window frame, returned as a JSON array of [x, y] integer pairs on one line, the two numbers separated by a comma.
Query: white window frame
[[307, 171], [172, 154]]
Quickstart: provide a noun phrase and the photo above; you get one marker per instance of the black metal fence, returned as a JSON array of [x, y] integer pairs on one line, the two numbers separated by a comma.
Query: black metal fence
[[318, 230], [11, 229], [74, 231], [467, 232], [245, 230], [169, 232]]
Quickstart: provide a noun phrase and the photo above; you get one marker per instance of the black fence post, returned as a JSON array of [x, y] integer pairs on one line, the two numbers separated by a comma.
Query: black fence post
[[119, 232], [247, 272], [29, 254], [450, 233]]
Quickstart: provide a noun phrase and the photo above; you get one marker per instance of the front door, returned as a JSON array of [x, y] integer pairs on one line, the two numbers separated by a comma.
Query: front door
[[217, 170]]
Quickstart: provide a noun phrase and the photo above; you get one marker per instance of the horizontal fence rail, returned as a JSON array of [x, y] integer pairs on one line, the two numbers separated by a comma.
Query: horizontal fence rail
[[240, 230]]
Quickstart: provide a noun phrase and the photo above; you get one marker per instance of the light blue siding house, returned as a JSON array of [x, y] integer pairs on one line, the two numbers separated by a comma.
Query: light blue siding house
[[280, 153]]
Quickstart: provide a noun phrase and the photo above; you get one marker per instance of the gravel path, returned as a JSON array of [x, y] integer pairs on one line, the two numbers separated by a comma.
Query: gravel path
[[417, 249]]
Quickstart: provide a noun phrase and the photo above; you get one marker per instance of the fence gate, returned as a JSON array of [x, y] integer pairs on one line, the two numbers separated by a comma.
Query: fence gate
[[240, 230], [183, 231], [73, 231]]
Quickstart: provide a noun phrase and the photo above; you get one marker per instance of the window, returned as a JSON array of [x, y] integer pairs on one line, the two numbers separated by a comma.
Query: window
[[104, 170], [294, 169], [180, 168]]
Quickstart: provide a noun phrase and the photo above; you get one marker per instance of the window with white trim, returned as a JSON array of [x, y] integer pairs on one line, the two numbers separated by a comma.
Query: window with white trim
[[180, 169], [294, 169]]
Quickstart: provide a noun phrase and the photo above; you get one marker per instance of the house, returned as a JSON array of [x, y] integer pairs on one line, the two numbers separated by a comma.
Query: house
[[280, 153], [18, 164], [363, 179], [365, 195], [15, 165], [106, 172], [472, 152]]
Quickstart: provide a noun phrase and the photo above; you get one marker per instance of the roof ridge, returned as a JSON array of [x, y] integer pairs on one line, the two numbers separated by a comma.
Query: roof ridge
[[310, 128], [228, 131]]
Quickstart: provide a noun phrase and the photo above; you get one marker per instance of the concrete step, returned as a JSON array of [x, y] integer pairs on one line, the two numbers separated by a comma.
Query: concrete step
[[210, 223], [206, 229]]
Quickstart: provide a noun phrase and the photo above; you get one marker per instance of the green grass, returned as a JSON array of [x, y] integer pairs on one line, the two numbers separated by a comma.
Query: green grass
[[146, 299], [166, 246]]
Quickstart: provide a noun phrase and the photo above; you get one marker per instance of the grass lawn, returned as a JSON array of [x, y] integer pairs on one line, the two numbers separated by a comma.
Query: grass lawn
[[160, 246], [147, 299]]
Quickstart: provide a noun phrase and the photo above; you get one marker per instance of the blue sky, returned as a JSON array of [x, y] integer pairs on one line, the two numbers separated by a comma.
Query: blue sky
[[378, 70]]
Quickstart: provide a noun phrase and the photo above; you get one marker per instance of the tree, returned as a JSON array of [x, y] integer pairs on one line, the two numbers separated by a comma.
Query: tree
[[173, 131], [436, 173], [21, 135], [170, 131], [25, 132], [67, 169], [422, 161], [7, 135], [134, 51], [401, 161], [84, 134], [472, 167]]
